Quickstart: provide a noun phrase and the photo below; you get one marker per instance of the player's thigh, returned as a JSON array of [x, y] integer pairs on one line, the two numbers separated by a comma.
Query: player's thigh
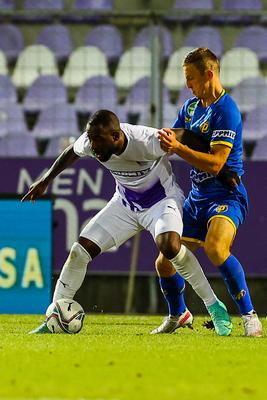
[[165, 216], [112, 226], [220, 236]]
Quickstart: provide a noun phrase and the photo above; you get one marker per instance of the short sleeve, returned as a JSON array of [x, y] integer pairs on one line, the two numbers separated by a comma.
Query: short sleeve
[[152, 144], [82, 146], [226, 123]]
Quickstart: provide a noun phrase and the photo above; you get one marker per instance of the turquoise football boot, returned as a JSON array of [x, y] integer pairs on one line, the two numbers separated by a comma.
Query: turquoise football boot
[[220, 318]]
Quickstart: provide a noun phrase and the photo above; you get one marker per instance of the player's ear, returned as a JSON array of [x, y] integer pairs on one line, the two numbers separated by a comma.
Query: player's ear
[[210, 74], [116, 136]]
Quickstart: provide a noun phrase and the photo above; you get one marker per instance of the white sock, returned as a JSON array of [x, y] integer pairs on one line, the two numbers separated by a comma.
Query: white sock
[[73, 273], [188, 266]]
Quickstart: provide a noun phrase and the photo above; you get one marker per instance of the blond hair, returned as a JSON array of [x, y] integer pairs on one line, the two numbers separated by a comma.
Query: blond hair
[[204, 59]]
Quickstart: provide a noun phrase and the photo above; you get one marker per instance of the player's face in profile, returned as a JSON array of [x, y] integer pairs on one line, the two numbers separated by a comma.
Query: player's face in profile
[[196, 81], [102, 143]]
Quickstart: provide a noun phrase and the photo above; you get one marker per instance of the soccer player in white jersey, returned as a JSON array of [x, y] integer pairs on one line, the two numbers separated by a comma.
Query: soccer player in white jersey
[[146, 197]]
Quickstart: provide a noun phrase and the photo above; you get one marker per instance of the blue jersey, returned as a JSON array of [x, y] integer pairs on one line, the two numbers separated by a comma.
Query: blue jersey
[[219, 123]]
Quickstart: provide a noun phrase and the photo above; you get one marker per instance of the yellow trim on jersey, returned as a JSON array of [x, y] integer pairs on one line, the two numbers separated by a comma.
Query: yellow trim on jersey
[[225, 217], [220, 96], [188, 239], [221, 142]]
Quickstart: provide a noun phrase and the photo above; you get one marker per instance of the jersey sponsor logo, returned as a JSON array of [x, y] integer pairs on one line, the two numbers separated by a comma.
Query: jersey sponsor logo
[[199, 176], [131, 173], [204, 127], [224, 134], [191, 108], [240, 294], [222, 208]]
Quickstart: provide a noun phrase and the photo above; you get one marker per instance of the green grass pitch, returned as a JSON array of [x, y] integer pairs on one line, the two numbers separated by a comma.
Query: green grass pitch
[[115, 358]]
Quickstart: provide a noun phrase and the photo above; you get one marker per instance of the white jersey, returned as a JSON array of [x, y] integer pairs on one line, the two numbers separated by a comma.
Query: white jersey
[[143, 173]]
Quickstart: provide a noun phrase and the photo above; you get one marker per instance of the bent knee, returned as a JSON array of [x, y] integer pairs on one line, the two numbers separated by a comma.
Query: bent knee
[[216, 252], [164, 267], [170, 250]]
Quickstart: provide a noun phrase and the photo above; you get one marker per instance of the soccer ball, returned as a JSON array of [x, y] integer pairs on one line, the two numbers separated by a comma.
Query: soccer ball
[[65, 316]]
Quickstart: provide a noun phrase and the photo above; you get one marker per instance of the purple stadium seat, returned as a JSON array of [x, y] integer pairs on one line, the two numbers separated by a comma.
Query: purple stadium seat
[[139, 96], [56, 120], [18, 146], [189, 6], [56, 38], [93, 4], [186, 9], [193, 5], [237, 6], [11, 41], [45, 91], [84, 11], [255, 124], [108, 39], [250, 93], [8, 93], [12, 120], [7, 4], [205, 36], [57, 144], [260, 150], [97, 92], [121, 112], [254, 38], [44, 4], [169, 114], [143, 39]]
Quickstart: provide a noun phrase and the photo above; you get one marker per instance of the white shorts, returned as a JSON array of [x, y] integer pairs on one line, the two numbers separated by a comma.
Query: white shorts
[[115, 224]]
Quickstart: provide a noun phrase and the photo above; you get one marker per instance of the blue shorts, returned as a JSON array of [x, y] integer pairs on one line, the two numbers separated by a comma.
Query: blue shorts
[[200, 208]]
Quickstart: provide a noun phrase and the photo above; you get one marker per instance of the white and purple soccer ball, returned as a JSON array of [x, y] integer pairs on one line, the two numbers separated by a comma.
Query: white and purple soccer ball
[[65, 316]]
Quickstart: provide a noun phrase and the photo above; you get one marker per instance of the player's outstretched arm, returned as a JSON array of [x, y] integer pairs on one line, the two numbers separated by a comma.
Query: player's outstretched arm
[[38, 188]]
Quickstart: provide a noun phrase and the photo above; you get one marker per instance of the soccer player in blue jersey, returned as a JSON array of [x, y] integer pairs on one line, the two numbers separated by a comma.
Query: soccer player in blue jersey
[[212, 213]]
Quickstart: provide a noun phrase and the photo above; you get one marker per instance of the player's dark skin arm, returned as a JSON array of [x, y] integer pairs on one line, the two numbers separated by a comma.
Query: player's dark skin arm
[[37, 189]]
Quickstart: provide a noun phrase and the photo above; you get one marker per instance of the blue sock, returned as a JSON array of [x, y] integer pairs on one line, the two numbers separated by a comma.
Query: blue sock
[[234, 278], [173, 291]]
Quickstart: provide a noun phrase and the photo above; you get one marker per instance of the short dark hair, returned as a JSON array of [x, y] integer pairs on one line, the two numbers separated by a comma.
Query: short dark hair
[[203, 58], [103, 119]]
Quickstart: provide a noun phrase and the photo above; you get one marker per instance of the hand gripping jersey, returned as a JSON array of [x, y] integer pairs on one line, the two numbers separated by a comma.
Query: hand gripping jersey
[[143, 173], [219, 123]]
